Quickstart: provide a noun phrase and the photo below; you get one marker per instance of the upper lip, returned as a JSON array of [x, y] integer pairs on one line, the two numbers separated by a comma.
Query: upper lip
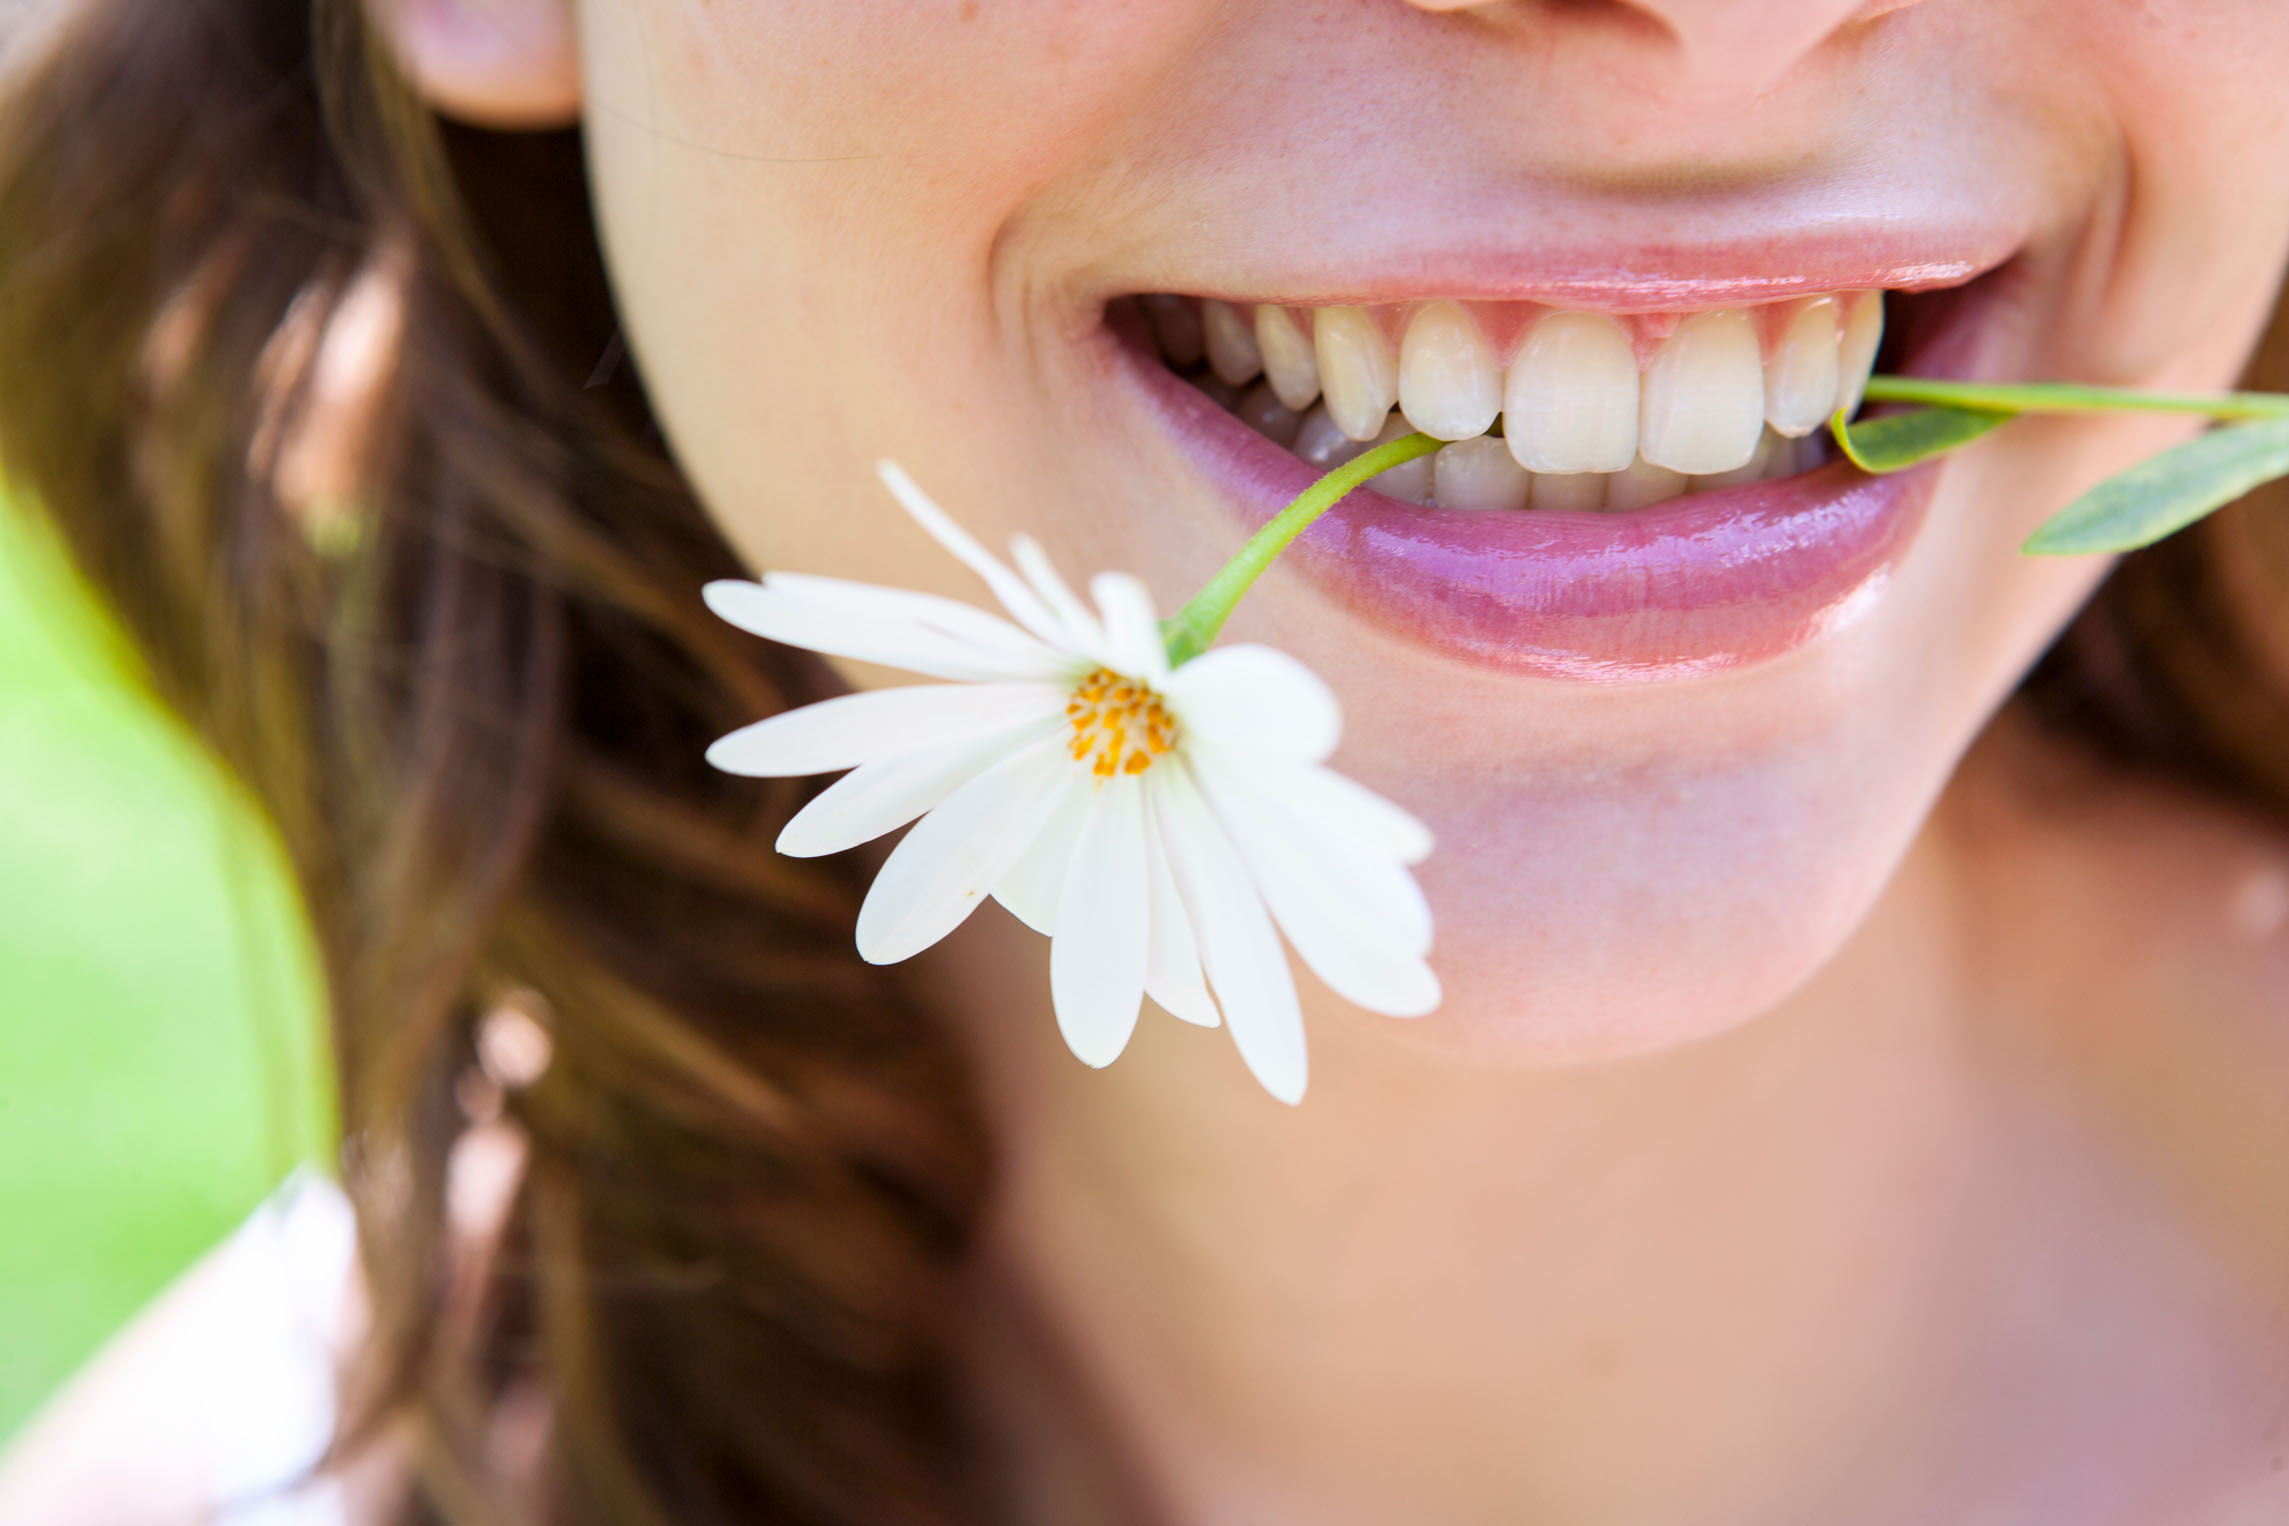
[[1645, 277], [1564, 248]]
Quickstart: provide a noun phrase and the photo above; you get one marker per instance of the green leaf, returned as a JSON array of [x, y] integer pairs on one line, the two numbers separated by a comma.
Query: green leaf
[[2167, 492], [1900, 440]]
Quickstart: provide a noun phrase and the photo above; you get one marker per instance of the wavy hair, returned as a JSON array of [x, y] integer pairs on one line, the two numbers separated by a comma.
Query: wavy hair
[[302, 374]]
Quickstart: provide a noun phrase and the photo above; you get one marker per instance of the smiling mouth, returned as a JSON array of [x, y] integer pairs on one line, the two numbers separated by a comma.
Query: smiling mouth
[[1626, 495], [1547, 409]]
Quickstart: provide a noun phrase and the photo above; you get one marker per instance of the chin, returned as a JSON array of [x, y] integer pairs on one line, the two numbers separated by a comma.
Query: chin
[[1594, 917]]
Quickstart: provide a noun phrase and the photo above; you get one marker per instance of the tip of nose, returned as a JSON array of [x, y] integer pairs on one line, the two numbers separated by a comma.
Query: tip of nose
[[1741, 47], [1749, 48]]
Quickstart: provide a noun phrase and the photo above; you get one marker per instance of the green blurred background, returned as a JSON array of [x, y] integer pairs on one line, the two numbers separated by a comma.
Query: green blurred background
[[159, 1061]]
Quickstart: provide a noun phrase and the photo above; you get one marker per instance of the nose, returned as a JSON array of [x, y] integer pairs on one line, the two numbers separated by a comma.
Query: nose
[[1734, 45]]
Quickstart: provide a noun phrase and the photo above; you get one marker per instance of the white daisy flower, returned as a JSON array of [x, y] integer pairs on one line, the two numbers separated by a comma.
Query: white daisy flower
[[1156, 823]]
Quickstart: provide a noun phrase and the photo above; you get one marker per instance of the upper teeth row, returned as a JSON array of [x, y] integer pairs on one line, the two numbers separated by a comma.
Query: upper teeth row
[[1573, 396]]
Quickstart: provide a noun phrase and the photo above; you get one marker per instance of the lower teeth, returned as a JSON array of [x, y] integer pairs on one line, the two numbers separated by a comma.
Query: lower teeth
[[1481, 474]]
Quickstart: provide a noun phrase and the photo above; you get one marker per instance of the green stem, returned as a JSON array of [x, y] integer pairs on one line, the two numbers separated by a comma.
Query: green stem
[[2067, 397], [1192, 629]]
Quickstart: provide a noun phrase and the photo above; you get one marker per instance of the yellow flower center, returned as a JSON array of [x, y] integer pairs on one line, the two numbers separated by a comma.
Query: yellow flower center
[[1119, 725]]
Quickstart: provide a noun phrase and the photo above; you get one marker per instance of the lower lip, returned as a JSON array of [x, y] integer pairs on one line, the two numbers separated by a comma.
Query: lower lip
[[1713, 581]]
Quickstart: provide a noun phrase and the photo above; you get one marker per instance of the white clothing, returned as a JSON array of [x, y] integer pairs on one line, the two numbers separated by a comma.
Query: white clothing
[[259, 1377]]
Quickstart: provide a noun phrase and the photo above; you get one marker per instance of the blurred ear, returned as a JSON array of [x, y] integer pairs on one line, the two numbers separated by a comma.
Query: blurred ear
[[491, 63]]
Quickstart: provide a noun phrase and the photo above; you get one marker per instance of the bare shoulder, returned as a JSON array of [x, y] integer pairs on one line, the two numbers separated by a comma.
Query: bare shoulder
[[218, 1395]]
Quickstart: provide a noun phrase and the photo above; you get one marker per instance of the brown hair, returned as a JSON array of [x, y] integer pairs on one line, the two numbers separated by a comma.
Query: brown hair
[[471, 681], [468, 675]]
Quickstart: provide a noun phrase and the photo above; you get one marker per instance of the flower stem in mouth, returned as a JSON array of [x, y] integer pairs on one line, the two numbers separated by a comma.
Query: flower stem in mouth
[[2071, 397], [1192, 629], [2156, 498]]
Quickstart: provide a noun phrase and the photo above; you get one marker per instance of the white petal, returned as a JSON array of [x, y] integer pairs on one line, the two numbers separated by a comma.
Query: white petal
[[1007, 586], [1237, 943], [1097, 959], [981, 628], [827, 621], [1033, 885], [1132, 631], [1259, 699], [942, 869], [1172, 962], [1257, 806], [1371, 971], [1333, 804], [881, 723], [1083, 632], [884, 795], [1324, 905]]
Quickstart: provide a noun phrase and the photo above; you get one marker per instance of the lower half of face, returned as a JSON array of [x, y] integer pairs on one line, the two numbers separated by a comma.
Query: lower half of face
[[1674, 689]]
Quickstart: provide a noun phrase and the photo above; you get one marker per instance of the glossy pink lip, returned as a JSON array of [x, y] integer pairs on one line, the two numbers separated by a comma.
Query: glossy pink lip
[[1684, 279], [1718, 580]]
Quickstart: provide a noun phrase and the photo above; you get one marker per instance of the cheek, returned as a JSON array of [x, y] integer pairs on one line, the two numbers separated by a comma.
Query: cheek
[[806, 209], [2201, 216]]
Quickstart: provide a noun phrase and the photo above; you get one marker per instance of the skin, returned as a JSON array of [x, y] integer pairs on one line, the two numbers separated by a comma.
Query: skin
[[1915, 1172]]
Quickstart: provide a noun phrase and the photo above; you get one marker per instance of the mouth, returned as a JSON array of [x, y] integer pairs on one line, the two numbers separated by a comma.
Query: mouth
[[1625, 495]]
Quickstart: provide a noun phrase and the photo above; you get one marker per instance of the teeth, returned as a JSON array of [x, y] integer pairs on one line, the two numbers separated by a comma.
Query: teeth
[[1703, 407], [1572, 398], [1175, 327], [1321, 442], [1220, 392], [1582, 426], [1231, 343], [1756, 469], [1641, 484], [1478, 474], [1800, 374], [1863, 335], [1409, 480], [1358, 374], [1289, 364], [1570, 492], [1450, 387], [1262, 411], [1807, 454]]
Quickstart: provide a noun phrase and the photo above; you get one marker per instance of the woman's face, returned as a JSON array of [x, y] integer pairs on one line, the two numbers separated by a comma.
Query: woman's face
[[1671, 754]]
